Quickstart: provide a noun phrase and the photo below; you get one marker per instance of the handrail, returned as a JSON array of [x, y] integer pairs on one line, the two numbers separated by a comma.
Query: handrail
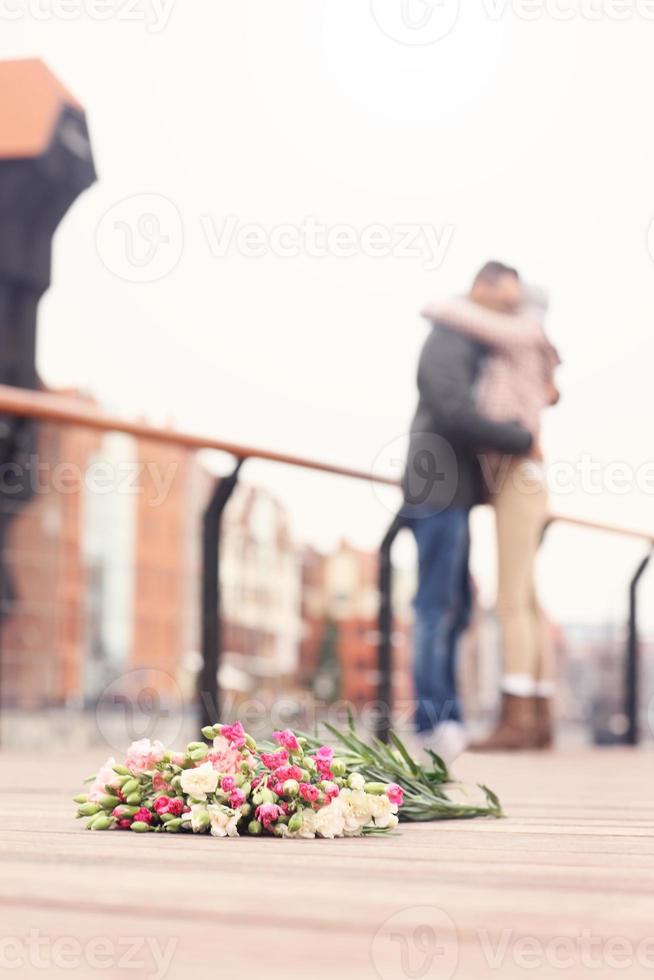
[[76, 411], [49, 407], [627, 532]]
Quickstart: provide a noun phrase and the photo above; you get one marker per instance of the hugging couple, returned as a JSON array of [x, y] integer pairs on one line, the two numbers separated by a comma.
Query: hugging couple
[[485, 375]]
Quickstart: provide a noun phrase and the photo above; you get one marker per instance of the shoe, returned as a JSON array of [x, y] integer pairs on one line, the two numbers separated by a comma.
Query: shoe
[[517, 729], [448, 740], [544, 727]]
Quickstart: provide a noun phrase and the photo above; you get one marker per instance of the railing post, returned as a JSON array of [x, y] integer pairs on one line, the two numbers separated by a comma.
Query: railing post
[[385, 631], [632, 660], [208, 693]]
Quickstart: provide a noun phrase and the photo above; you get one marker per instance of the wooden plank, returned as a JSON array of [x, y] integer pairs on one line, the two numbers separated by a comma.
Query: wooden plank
[[569, 873]]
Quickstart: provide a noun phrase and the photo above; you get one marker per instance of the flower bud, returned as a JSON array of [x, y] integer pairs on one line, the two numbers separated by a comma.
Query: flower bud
[[109, 802], [356, 781], [139, 827], [209, 732], [200, 821], [89, 809], [133, 799], [251, 744], [263, 795], [246, 809], [255, 828], [198, 754], [173, 825], [194, 745], [338, 767], [121, 770], [295, 823], [81, 798], [122, 811], [376, 789], [291, 787], [101, 822], [130, 786]]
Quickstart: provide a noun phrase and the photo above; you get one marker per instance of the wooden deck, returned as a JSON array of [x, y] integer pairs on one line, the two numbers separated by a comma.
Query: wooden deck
[[563, 887]]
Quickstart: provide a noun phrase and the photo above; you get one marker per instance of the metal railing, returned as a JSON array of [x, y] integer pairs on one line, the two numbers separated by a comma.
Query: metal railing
[[74, 411]]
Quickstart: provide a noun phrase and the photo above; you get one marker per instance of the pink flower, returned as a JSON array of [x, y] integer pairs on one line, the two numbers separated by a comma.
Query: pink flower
[[176, 807], [161, 804], [308, 792], [324, 769], [125, 823], [331, 790], [237, 799], [178, 759], [144, 755], [267, 813], [323, 758], [287, 739], [288, 772], [143, 815], [224, 757], [278, 788], [159, 784], [273, 760], [234, 733], [395, 793], [105, 777], [228, 784]]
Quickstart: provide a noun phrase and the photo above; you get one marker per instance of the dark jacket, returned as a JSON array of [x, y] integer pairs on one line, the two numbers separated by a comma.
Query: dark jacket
[[448, 434]]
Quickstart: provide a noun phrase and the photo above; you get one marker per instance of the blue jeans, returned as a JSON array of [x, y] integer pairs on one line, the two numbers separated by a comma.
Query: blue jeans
[[442, 610]]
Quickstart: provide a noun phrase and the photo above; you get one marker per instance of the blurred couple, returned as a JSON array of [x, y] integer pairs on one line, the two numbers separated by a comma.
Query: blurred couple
[[485, 375]]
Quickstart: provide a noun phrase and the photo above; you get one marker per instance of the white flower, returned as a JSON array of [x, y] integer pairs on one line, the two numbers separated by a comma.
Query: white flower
[[308, 829], [356, 781], [199, 818], [357, 811], [330, 821], [383, 811], [224, 822], [106, 776], [200, 781]]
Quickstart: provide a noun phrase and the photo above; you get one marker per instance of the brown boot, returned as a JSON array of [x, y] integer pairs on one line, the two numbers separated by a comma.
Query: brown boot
[[516, 730], [544, 728]]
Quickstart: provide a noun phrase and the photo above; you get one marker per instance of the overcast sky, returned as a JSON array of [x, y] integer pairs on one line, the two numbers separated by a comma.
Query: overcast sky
[[283, 185]]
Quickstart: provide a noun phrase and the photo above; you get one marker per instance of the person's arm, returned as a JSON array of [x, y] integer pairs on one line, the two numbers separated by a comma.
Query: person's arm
[[487, 326], [445, 380]]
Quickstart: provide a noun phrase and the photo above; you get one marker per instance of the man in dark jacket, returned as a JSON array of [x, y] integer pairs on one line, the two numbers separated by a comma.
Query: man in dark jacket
[[442, 482]]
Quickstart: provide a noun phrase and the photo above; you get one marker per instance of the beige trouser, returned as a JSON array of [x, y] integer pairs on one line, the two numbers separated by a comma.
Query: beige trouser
[[520, 510]]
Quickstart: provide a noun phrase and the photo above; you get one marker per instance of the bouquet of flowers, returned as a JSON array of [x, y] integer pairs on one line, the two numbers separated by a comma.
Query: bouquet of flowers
[[227, 786], [427, 789]]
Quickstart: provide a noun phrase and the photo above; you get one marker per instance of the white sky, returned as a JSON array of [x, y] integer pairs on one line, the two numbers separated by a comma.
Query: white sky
[[525, 140]]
